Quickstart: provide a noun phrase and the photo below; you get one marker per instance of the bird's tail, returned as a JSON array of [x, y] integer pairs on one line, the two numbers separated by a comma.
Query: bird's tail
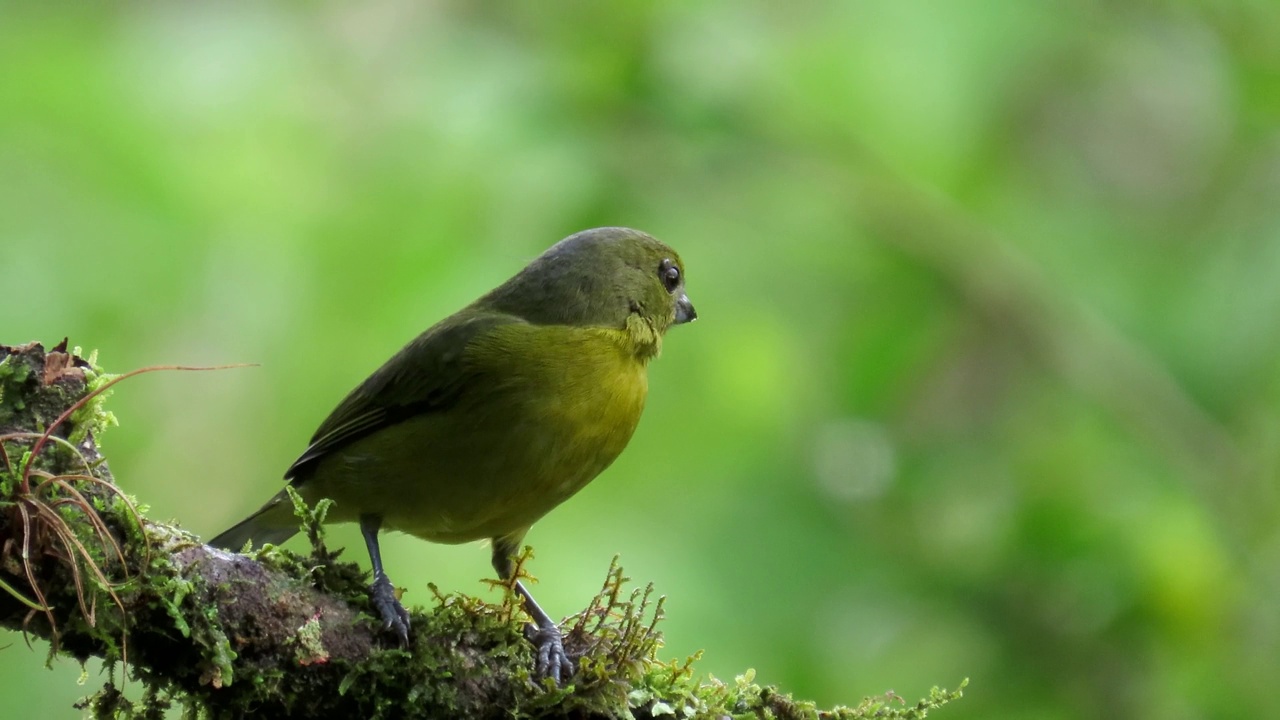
[[272, 523]]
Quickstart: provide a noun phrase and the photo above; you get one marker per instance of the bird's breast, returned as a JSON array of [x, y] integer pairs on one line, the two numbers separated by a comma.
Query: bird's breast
[[580, 416], [539, 422]]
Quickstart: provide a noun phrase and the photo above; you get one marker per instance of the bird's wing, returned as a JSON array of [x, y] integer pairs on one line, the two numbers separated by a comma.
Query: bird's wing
[[427, 375]]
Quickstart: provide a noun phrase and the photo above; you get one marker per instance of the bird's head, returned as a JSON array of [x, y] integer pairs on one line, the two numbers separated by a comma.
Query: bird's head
[[605, 277]]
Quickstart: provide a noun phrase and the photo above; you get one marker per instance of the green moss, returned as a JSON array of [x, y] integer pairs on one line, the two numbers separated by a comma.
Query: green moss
[[468, 658], [93, 417], [13, 373], [477, 661], [311, 644], [172, 595]]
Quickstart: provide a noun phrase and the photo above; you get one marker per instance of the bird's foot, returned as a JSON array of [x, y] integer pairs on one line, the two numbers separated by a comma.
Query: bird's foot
[[394, 617], [552, 661]]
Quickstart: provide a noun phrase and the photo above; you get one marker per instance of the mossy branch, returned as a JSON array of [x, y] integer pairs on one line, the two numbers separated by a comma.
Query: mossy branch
[[277, 634]]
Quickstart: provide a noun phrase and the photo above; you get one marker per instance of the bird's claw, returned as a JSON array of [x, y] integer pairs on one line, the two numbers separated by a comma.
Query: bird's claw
[[394, 617], [552, 662]]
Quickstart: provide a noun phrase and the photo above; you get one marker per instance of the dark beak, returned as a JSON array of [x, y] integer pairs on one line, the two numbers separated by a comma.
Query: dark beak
[[684, 310]]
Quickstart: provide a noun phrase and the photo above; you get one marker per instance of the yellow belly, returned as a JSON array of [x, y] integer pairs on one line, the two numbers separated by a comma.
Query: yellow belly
[[506, 454]]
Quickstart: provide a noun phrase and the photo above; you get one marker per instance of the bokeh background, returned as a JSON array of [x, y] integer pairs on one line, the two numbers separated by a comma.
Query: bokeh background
[[987, 374]]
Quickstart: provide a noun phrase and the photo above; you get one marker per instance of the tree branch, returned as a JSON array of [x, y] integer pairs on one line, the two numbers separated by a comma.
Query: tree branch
[[277, 634]]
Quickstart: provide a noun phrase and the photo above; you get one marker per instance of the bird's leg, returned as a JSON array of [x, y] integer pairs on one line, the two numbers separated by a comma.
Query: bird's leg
[[382, 592], [545, 636], [543, 633]]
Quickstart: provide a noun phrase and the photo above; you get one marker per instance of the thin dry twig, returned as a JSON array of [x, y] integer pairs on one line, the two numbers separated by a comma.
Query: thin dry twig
[[44, 438]]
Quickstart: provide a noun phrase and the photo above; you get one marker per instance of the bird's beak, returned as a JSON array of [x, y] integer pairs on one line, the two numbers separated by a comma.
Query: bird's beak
[[684, 310]]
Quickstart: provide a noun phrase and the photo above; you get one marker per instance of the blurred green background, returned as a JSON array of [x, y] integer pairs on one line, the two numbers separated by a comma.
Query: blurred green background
[[987, 374]]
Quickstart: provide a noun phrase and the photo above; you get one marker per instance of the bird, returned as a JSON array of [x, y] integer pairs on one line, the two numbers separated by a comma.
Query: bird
[[495, 415]]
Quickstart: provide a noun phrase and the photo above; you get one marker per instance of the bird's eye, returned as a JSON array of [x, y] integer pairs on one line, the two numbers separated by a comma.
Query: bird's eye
[[670, 275]]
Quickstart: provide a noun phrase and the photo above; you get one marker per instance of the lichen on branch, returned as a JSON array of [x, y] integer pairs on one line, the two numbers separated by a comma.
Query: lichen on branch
[[279, 634]]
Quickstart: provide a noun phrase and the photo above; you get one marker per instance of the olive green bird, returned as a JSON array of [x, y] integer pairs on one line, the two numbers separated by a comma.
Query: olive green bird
[[495, 415]]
